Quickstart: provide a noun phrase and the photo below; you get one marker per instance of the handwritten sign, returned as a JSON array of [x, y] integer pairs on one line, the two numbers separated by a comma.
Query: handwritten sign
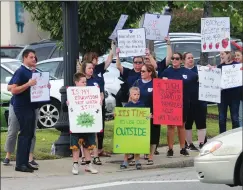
[[168, 102], [132, 130], [131, 42], [215, 34], [231, 76], [209, 84], [157, 26], [120, 24], [40, 92], [84, 109]]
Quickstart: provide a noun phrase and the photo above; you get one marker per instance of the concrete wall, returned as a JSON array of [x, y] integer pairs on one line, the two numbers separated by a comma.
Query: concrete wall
[[9, 32]]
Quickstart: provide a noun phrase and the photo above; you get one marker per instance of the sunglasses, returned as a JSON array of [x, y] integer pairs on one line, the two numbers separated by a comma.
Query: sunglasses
[[175, 58], [143, 71], [138, 62]]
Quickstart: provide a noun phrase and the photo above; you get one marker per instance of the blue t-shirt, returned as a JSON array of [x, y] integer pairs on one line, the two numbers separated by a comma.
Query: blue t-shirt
[[161, 66], [146, 92], [234, 93], [138, 104], [99, 71], [188, 77], [20, 77], [130, 76], [94, 82]]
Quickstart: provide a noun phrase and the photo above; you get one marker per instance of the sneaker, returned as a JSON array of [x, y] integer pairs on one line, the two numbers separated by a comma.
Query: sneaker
[[83, 162], [201, 145], [138, 166], [75, 169], [184, 152], [6, 161], [34, 164], [192, 147], [186, 145], [170, 153], [89, 168]]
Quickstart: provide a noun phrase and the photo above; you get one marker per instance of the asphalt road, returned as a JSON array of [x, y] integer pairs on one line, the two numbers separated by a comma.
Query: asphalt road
[[159, 179]]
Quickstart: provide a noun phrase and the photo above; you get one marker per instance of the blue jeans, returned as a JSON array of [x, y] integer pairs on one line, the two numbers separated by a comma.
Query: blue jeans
[[234, 105], [241, 113]]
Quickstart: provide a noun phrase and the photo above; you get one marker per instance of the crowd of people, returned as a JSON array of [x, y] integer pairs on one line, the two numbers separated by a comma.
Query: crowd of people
[[137, 91]]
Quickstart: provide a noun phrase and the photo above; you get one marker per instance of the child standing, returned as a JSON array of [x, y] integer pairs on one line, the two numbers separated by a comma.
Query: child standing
[[134, 95], [87, 140]]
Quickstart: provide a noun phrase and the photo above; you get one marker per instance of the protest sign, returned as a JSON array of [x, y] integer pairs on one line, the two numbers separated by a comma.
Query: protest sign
[[168, 102], [156, 26], [132, 130], [84, 109], [209, 84], [131, 42], [215, 33], [120, 24], [231, 76], [40, 92]]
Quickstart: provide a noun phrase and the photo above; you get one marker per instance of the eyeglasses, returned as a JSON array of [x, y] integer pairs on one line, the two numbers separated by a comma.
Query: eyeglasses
[[138, 62], [175, 58], [143, 71]]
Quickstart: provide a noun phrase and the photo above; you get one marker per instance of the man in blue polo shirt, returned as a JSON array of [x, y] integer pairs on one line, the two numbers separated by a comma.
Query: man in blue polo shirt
[[24, 109]]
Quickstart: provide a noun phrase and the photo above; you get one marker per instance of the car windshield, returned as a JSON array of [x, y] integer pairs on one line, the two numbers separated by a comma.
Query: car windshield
[[10, 52]]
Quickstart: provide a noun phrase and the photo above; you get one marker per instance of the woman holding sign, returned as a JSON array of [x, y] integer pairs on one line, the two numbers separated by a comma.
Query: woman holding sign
[[145, 84], [189, 78]]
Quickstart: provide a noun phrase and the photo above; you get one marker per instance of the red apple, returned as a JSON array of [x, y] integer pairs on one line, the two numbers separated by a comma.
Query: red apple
[[204, 46], [217, 45], [210, 45], [225, 42]]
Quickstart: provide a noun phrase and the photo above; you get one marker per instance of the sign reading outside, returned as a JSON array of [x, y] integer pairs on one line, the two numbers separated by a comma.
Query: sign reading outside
[[231, 76], [157, 26], [215, 33], [132, 130], [131, 42], [84, 109], [168, 102], [209, 84], [40, 92]]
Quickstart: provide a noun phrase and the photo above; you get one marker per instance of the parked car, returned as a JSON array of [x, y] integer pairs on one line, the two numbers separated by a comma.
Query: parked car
[[4, 105], [221, 160], [11, 51]]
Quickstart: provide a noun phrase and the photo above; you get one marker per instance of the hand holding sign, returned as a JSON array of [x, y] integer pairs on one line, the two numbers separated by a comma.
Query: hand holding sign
[[32, 82]]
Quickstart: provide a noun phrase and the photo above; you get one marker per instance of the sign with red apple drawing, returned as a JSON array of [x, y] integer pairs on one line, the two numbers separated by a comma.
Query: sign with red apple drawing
[[231, 76], [215, 33], [131, 42]]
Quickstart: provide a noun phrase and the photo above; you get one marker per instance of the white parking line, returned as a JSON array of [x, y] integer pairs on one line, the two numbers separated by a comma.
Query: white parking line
[[96, 186]]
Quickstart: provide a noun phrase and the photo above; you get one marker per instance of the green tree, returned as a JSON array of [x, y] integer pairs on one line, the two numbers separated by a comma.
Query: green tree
[[97, 19]]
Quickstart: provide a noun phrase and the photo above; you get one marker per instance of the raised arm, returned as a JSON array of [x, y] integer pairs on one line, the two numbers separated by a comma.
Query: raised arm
[[118, 63], [110, 56], [151, 59], [169, 51]]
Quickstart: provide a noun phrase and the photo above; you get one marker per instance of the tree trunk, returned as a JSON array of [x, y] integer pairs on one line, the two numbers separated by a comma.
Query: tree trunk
[[207, 12]]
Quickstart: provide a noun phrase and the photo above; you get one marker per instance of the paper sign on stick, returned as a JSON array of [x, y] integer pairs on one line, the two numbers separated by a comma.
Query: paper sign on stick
[[84, 109], [40, 92], [231, 76], [131, 42], [209, 84], [120, 24], [168, 102], [132, 130], [157, 26], [215, 33]]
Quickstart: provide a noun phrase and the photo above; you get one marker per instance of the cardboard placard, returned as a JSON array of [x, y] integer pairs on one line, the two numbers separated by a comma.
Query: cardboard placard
[[168, 102], [132, 130], [119, 25]]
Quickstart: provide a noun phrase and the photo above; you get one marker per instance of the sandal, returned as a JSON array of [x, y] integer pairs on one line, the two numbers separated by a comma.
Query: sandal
[[131, 157], [97, 161], [83, 162], [104, 154], [132, 163], [150, 162], [123, 166], [146, 157]]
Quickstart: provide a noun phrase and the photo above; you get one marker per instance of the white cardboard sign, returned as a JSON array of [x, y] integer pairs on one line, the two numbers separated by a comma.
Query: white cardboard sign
[[215, 33], [120, 24], [209, 84], [40, 92], [131, 42], [157, 26], [231, 76], [84, 109]]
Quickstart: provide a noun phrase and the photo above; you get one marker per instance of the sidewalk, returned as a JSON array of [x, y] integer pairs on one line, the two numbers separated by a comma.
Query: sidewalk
[[62, 167]]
